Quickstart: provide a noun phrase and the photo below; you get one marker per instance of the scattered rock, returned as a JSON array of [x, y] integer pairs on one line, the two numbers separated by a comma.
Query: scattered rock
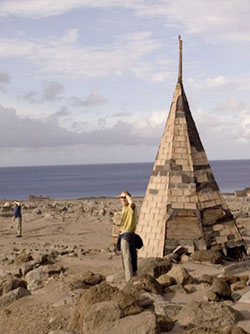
[[245, 298], [100, 314], [166, 308], [210, 315], [154, 266], [22, 258], [210, 296], [35, 278], [166, 280], [207, 279], [13, 295], [238, 285], [143, 283], [221, 288], [100, 293], [207, 255], [145, 322], [13, 283], [180, 275]]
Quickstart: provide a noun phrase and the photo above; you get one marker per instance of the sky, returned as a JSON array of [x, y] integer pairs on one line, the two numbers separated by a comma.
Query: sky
[[85, 81]]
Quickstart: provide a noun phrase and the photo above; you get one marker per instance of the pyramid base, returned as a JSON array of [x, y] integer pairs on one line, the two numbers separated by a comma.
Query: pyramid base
[[232, 250]]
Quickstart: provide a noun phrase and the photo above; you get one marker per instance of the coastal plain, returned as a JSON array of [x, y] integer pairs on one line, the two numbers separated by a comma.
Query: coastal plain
[[67, 248]]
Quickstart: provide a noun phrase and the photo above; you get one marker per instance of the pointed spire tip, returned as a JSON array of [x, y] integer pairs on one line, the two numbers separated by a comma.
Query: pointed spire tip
[[180, 59]]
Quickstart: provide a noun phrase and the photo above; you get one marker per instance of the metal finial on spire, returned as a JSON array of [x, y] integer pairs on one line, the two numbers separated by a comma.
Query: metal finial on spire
[[180, 60]]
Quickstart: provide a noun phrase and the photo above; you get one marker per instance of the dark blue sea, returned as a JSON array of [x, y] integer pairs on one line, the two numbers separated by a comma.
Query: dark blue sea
[[77, 181]]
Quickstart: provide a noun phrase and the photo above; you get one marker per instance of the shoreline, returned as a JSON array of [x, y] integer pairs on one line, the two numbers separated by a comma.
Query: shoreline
[[44, 198]]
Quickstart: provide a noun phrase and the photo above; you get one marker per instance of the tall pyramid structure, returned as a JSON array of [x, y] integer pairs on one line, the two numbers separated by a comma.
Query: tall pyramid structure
[[183, 204]]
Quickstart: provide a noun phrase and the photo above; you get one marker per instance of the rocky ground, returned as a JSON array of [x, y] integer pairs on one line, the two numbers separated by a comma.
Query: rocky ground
[[63, 277]]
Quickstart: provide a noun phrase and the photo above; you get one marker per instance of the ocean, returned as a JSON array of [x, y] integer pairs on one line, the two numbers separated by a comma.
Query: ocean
[[80, 181]]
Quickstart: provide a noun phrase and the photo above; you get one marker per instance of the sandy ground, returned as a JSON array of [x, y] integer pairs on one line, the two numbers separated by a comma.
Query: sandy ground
[[82, 228]]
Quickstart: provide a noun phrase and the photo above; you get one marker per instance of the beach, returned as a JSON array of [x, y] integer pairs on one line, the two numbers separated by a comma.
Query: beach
[[72, 238]]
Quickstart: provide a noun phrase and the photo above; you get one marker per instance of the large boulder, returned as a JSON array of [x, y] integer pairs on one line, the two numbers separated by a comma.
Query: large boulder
[[154, 266], [145, 322], [100, 314], [100, 293], [207, 314]]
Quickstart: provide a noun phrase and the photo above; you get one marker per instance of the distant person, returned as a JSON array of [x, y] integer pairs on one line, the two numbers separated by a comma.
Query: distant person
[[126, 240], [17, 219]]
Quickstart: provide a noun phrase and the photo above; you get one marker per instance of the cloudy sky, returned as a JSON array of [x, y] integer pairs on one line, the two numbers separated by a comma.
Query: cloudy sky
[[85, 81]]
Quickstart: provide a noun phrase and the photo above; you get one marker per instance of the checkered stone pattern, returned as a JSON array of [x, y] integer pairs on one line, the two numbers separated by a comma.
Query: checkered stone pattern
[[183, 204]]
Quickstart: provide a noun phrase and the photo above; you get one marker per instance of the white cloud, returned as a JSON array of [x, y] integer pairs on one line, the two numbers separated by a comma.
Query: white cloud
[[210, 83], [92, 100], [31, 96], [55, 56], [231, 104], [227, 18], [71, 36], [4, 78], [48, 132], [44, 8], [224, 128]]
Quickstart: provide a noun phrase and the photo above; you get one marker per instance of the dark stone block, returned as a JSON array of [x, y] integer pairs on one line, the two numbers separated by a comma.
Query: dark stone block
[[200, 167], [187, 179], [153, 191]]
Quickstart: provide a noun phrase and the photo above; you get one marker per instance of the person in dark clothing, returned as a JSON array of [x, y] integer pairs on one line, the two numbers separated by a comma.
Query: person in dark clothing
[[17, 219]]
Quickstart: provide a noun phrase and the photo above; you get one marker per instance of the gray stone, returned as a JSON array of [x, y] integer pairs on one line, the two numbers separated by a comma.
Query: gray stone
[[166, 308], [35, 278]]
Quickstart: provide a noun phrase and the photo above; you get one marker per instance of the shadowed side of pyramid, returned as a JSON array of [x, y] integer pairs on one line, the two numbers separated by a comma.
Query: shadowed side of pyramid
[[183, 204]]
